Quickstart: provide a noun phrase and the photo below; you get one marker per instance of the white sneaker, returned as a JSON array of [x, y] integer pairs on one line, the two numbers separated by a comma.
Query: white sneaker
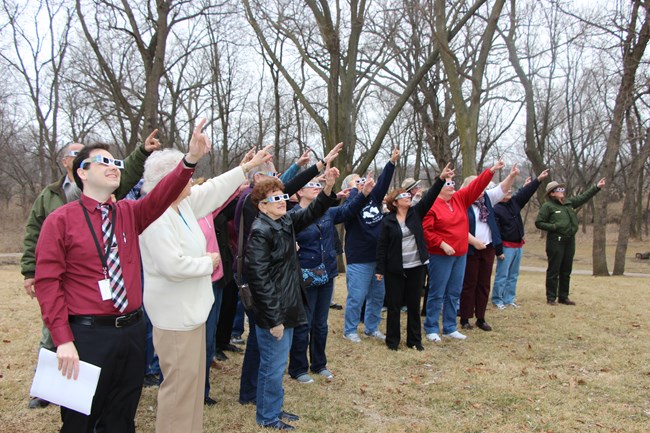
[[377, 334], [499, 306], [457, 335], [433, 337], [513, 305], [353, 337]]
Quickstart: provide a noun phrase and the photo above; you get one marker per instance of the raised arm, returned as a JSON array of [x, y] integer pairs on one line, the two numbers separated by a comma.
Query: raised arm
[[432, 194], [134, 165]]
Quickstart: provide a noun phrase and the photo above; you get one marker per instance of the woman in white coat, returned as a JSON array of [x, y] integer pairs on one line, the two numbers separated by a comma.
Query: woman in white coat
[[178, 287]]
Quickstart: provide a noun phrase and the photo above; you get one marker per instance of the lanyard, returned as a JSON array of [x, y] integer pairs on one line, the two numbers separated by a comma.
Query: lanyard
[[102, 256]]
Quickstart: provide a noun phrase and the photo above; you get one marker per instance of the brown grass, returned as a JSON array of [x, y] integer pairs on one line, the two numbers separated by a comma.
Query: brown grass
[[542, 369]]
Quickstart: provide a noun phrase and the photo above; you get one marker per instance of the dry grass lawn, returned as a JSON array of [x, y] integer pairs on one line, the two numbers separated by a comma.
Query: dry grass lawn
[[542, 369]]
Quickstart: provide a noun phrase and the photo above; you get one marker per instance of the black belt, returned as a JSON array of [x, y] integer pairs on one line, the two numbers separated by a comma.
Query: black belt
[[115, 321]]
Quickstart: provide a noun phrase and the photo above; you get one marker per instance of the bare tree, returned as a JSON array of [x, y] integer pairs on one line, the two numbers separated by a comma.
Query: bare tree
[[638, 137], [636, 37], [466, 113], [37, 58]]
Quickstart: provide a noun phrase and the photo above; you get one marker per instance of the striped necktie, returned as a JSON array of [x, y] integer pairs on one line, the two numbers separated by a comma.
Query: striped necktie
[[118, 291]]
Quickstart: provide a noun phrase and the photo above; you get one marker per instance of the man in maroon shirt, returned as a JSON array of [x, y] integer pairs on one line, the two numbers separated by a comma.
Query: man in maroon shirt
[[70, 283]]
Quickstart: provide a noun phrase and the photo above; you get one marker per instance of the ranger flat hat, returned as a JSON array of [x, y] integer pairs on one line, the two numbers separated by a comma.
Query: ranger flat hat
[[552, 185], [409, 183]]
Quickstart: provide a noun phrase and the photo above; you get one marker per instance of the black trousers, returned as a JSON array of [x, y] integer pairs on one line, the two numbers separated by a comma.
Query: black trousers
[[559, 251], [120, 352], [404, 289], [226, 314]]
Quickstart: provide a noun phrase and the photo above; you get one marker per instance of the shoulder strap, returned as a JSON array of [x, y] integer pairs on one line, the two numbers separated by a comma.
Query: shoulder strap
[[240, 242]]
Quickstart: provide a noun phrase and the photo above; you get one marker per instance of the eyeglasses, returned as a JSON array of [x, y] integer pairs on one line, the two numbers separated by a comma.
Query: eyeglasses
[[403, 195], [559, 190], [313, 185], [360, 181], [450, 183], [268, 173], [276, 198], [104, 161], [72, 153]]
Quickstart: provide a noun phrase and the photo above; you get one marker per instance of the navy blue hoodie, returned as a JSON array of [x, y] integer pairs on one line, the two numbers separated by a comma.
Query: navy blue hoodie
[[362, 231]]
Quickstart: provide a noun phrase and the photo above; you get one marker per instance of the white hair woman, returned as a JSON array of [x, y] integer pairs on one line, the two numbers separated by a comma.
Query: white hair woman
[[484, 245], [178, 287]]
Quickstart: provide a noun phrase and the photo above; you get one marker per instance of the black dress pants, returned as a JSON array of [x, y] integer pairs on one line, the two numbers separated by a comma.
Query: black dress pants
[[120, 352], [404, 289]]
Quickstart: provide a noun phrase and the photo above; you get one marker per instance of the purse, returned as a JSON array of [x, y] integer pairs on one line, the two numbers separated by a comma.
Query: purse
[[312, 277], [315, 276], [245, 295]]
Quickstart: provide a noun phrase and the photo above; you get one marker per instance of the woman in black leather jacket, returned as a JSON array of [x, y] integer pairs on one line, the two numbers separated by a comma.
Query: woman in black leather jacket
[[401, 258], [275, 281]]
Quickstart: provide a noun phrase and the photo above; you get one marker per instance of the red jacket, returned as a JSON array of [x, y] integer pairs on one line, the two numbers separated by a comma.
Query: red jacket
[[447, 221]]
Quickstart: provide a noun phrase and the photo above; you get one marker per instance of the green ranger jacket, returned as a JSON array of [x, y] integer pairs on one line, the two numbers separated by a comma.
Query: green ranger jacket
[[53, 197], [561, 219]]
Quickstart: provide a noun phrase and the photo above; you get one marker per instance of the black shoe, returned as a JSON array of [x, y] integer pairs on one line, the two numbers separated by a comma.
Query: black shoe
[[37, 403], [279, 425], [392, 347], [151, 380], [566, 301], [209, 401], [245, 402], [551, 302], [289, 416], [467, 326], [417, 346], [220, 356], [335, 306], [232, 348], [483, 325]]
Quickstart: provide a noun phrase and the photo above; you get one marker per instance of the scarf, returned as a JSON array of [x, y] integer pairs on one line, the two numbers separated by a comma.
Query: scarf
[[482, 209]]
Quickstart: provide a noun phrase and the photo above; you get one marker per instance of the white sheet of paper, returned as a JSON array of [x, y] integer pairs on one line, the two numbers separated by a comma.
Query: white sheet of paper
[[50, 385]]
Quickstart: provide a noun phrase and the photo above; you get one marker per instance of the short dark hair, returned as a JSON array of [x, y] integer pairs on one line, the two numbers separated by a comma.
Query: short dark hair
[[391, 196], [83, 154], [264, 187]]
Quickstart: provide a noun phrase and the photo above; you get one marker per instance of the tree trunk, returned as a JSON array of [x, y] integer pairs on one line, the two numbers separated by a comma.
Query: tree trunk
[[632, 53]]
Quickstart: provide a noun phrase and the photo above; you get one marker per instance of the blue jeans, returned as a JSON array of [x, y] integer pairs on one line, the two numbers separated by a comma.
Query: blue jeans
[[313, 335], [273, 360], [238, 321], [211, 332], [363, 286], [446, 275], [250, 365], [507, 274]]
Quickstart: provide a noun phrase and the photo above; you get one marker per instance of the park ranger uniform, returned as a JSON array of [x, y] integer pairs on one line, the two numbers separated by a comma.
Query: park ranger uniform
[[561, 223]]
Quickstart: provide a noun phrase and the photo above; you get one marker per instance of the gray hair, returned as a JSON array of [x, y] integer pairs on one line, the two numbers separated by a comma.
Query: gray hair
[[159, 165], [348, 179], [265, 166]]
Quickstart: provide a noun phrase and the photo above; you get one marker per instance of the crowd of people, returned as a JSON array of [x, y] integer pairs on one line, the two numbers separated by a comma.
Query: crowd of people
[[113, 274]]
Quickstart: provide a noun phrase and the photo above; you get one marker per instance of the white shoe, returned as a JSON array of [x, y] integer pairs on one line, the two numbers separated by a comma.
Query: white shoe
[[377, 334], [499, 306], [457, 335], [433, 337], [513, 305], [353, 337]]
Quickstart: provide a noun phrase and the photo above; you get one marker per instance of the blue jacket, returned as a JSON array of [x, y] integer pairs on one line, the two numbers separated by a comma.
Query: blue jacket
[[362, 231], [508, 214], [317, 241], [496, 236]]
